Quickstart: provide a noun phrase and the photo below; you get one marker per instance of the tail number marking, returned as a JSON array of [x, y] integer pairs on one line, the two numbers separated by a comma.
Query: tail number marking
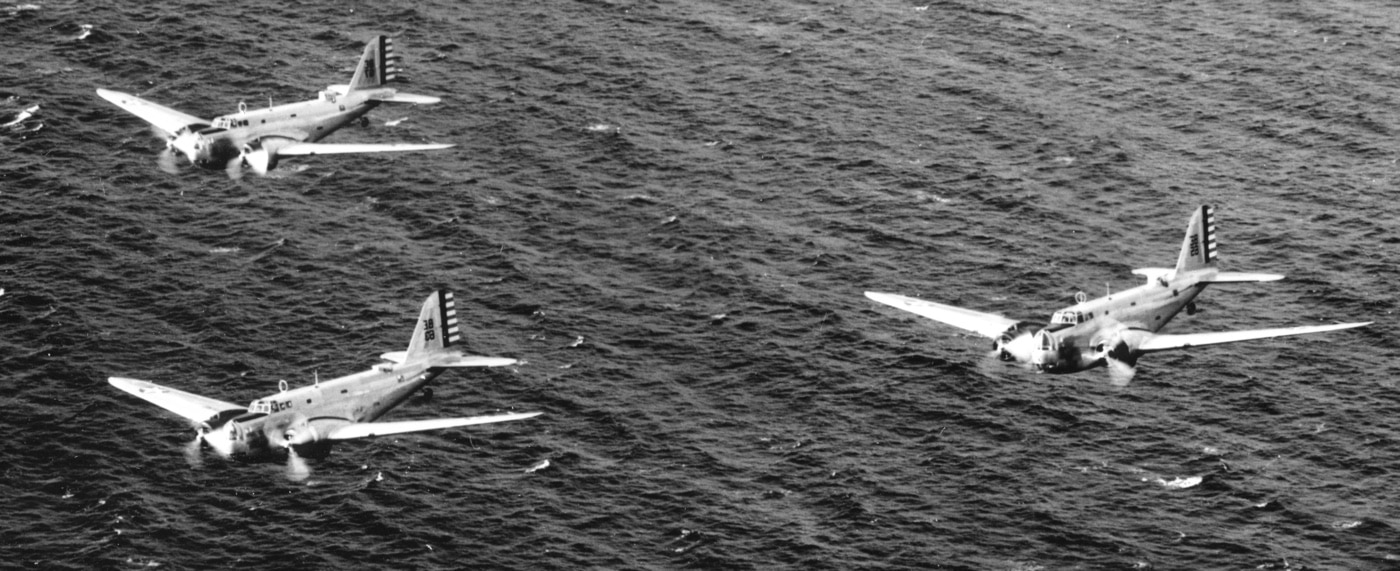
[[429, 330]]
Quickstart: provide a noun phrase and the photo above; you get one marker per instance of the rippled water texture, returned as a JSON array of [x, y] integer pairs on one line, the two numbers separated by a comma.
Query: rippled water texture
[[700, 191]]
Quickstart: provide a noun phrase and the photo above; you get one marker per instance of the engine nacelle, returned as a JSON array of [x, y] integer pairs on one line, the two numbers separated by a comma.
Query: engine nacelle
[[1016, 343], [1045, 352], [257, 156]]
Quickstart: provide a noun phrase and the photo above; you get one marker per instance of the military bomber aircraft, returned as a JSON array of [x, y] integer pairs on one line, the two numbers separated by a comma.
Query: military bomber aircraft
[[305, 421], [257, 138], [1115, 330]]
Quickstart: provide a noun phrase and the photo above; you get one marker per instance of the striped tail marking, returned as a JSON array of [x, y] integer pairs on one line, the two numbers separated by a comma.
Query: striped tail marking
[[390, 61], [1208, 255], [1198, 249], [451, 335], [378, 65]]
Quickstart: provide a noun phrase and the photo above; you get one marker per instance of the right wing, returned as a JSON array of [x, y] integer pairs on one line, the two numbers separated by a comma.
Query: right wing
[[370, 429], [984, 324], [191, 406], [164, 118], [1184, 341]]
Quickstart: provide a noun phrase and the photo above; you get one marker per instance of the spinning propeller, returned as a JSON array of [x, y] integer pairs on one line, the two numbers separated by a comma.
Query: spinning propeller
[[167, 161], [194, 451], [1119, 350], [181, 142], [287, 436], [1016, 343]]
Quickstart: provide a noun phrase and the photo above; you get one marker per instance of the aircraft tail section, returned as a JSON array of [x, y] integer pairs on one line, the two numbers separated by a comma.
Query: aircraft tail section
[[436, 337], [377, 66], [437, 326], [1198, 249]]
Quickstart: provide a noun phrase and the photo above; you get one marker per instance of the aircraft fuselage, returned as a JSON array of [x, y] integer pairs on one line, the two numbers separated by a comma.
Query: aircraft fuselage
[[1078, 336], [301, 417], [306, 121]]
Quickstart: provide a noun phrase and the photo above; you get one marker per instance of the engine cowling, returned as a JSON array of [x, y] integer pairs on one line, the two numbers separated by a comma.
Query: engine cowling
[[1016, 343], [1117, 349], [1045, 353], [260, 158]]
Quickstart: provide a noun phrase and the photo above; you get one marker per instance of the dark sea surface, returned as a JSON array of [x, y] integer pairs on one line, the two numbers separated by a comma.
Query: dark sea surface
[[700, 192]]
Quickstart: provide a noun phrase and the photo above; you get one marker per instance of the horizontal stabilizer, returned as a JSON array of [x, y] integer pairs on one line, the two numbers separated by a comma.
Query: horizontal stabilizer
[[370, 429], [1184, 341], [1230, 277], [406, 98], [984, 324], [470, 361], [452, 360], [191, 406], [164, 118], [342, 148]]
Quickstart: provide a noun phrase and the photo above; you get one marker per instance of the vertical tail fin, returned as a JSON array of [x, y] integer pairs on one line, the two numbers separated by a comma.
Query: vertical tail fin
[[377, 66], [437, 325], [1198, 249]]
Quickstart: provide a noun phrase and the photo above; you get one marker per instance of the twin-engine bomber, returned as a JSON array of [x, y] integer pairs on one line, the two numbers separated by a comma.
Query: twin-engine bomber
[[305, 421], [257, 138], [1115, 330]]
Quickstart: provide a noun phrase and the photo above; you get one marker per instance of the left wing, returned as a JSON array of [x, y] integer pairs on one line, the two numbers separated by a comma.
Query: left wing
[[164, 118], [984, 324], [369, 429], [340, 148], [189, 405], [1168, 342]]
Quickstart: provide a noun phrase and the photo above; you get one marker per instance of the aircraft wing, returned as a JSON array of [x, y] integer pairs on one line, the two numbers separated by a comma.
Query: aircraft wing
[[340, 148], [1168, 342], [397, 97], [459, 360], [368, 429], [452, 360], [164, 118], [1233, 277], [191, 406], [984, 324]]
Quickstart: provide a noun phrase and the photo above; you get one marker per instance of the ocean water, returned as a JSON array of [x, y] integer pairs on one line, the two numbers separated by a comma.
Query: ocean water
[[668, 211]]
